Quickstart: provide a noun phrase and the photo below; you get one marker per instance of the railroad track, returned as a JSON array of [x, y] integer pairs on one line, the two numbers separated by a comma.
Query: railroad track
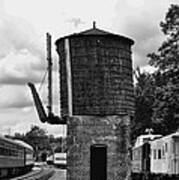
[[42, 174]]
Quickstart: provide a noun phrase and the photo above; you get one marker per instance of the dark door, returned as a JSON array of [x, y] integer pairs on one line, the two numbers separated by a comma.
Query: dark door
[[98, 162]]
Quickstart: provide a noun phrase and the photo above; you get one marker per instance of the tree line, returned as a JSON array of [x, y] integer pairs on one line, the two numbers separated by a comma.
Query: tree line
[[42, 143]]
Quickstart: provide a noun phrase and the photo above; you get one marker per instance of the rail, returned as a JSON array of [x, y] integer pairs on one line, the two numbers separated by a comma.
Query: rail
[[42, 174]]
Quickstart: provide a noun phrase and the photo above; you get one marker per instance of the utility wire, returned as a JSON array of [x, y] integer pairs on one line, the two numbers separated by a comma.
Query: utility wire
[[43, 80]]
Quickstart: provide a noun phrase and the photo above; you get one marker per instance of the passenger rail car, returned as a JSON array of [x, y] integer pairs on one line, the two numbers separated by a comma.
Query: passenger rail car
[[60, 159], [157, 159], [28, 153], [141, 158], [141, 153], [165, 154], [50, 159], [16, 157]]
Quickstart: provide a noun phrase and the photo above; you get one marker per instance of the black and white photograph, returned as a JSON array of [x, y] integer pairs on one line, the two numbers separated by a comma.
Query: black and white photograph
[[89, 89]]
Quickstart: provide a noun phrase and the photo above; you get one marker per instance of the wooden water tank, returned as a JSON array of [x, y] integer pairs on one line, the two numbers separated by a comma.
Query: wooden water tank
[[95, 73]]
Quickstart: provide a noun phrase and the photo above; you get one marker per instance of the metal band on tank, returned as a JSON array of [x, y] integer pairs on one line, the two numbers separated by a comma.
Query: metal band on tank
[[69, 81]]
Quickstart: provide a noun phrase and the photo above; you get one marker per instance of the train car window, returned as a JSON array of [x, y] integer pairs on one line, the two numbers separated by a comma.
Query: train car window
[[8, 152], [177, 148], [166, 147], [20, 154], [1, 151], [163, 152], [137, 155], [172, 149], [15, 152], [12, 152], [159, 154], [155, 154], [134, 155]]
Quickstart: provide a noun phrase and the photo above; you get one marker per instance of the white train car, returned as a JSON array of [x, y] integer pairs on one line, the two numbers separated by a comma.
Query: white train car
[[146, 138], [28, 150], [16, 157], [50, 159], [60, 159], [141, 152], [165, 154]]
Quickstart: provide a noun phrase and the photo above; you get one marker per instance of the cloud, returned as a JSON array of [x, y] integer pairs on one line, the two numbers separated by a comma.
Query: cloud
[[148, 69], [18, 68], [20, 97], [76, 21], [14, 97], [21, 121], [17, 34], [21, 51], [139, 19], [147, 40]]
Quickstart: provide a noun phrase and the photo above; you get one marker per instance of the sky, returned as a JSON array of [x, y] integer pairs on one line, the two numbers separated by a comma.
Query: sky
[[23, 27]]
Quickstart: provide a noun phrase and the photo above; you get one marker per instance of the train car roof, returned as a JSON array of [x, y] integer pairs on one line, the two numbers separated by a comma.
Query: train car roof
[[7, 140], [170, 136], [16, 142], [62, 155], [175, 135], [22, 143], [146, 138]]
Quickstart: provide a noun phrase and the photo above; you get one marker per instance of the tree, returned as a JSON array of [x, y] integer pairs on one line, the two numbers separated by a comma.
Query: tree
[[41, 142], [38, 139], [19, 136], [44, 156], [61, 144], [144, 99], [166, 60]]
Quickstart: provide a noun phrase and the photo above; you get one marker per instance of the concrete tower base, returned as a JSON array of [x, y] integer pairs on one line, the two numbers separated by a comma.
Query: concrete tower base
[[85, 131]]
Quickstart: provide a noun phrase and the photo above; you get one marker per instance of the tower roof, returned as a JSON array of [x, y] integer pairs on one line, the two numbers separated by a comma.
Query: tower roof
[[97, 32]]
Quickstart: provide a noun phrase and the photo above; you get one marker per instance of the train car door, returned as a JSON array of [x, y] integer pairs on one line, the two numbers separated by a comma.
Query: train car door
[[98, 162]]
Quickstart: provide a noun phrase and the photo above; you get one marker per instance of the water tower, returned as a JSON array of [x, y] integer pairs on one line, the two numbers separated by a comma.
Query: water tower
[[96, 90]]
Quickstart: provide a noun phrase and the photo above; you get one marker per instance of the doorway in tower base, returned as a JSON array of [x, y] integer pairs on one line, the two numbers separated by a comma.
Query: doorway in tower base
[[98, 162]]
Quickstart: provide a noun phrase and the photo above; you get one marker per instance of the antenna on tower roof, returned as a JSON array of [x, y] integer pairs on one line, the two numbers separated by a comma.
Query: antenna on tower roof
[[94, 24]]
